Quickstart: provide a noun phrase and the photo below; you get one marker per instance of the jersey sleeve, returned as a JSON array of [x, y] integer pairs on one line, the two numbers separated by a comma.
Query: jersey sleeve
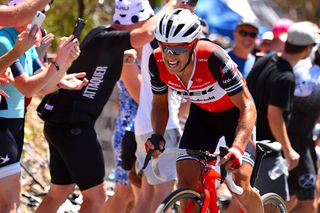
[[157, 86], [115, 41], [281, 93], [225, 71], [5, 44]]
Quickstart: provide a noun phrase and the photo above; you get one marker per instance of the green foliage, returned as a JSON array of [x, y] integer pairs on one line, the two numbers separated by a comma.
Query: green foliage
[[63, 15]]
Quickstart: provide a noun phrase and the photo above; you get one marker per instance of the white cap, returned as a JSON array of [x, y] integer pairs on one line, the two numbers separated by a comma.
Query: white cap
[[128, 12], [303, 34]]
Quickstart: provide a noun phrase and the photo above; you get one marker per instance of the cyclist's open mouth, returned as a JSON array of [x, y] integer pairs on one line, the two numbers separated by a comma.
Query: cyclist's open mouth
[[173, 64]]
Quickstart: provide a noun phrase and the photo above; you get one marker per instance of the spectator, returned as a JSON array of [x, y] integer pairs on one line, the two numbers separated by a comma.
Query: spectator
[[124, 143], [272, 83], [279, 30], [264, 46], [245, 36], [30, 77], [24, 42], [304, 116], [75, 152]]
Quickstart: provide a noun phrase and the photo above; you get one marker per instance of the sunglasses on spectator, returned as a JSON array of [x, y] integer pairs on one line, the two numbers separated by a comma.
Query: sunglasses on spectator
[[176, 49], [245, 33]]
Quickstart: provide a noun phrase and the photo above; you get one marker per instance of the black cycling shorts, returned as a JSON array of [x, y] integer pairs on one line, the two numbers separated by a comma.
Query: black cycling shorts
[[11, 140], [302, 179], [203, 130], [128, 150], [75, 155]]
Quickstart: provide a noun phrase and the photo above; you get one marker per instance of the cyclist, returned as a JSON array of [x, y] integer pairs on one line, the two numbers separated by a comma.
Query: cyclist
[[70, 116], [221, 104], [155, 188]]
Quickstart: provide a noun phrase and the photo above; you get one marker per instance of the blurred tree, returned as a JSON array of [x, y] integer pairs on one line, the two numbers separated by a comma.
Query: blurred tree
[[299, 10]]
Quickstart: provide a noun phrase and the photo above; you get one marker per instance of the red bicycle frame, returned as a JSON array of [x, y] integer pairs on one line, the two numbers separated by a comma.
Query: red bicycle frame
[[207, 189]]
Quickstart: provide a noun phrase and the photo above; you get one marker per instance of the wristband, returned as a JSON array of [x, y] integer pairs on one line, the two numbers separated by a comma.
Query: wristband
[[56, 65], [238, 148]]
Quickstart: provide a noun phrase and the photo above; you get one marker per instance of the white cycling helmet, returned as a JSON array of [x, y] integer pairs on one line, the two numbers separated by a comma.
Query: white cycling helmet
[[178, 26]]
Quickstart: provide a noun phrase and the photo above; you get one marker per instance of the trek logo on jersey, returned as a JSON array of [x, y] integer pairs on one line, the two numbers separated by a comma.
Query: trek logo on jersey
[[95, 82], [204, 95]]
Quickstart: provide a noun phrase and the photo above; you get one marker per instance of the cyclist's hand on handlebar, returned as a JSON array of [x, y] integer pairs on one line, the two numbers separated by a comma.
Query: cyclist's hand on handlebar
[[233, 160], [292, 158], [156, 143]]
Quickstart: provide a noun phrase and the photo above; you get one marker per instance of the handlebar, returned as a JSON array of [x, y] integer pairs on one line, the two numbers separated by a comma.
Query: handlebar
[[201, 155]]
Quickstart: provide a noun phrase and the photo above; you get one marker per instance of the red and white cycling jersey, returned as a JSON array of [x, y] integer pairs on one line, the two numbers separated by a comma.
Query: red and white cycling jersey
[[215, 77]]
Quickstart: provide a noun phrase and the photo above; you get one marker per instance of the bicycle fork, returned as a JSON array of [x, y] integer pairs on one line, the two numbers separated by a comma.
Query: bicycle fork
[[209, 190]]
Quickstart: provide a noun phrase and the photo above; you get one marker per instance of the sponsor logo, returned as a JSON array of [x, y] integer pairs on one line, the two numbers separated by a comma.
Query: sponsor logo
[[198, 80], [4, 159], [95, 82], [202, 60], [228, 67], [307, 181]]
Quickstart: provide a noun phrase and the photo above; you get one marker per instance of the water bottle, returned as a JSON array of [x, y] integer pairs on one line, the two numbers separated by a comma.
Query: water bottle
[[280, 168]]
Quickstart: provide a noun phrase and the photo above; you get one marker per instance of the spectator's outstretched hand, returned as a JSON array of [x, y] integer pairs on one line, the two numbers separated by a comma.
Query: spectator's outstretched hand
[[45, 43], [129, 56], [25, 40], [68, 51], [73, 81]]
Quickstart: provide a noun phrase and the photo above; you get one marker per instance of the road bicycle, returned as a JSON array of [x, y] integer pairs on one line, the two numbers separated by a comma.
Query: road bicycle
[[206, 198]]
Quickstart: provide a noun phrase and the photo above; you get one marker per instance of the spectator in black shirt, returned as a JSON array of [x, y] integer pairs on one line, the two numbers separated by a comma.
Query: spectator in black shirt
[[272, 83], [75, 153]]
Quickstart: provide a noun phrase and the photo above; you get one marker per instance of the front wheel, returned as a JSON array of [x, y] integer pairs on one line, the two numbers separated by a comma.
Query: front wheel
[[273, 203], [181, 200]]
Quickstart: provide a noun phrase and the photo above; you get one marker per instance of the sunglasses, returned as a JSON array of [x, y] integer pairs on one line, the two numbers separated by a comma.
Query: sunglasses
[[175, 50], [245, 33]]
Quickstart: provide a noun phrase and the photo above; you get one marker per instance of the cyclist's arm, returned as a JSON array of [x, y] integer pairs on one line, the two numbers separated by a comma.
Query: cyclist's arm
[[22, 13], [145, 34], [225, 71], [244, 102], [160, 111]]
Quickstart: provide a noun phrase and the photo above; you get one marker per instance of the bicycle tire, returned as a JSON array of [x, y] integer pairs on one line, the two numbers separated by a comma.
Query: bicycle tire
[[278, 204], [179, 194]]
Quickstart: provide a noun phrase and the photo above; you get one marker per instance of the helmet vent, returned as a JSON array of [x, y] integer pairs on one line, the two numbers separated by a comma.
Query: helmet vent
[[178, 29], [160, 25], [177, 12], [168, 28], [191, 30]]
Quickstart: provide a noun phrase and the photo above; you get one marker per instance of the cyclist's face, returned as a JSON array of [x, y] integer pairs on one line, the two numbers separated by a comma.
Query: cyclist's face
[[175, 56]]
